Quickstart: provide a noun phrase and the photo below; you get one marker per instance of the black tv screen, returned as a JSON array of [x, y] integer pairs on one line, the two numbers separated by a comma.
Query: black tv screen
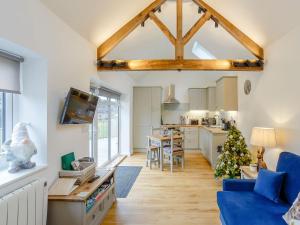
[[79, 108]]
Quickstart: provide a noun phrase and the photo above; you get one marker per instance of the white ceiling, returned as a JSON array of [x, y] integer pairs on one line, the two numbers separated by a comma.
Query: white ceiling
[[263, 20]]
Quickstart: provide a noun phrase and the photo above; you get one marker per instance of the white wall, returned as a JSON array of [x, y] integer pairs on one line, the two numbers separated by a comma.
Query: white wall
[[69, 62], [274, 101]]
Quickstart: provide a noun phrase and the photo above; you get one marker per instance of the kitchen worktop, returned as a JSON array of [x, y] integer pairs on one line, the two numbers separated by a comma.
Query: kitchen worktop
[[213, 130]]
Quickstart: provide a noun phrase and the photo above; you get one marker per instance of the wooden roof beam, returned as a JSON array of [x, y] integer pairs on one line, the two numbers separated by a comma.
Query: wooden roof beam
[[164, 65], [179, 47], [163, 28], [189, 35], [122, 33], [246, 41]]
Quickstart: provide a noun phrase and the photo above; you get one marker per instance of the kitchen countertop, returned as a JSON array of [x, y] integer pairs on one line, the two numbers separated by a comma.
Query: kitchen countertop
[[213, 130]]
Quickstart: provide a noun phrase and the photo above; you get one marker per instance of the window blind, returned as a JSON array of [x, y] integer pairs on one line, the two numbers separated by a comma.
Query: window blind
[[10, 65], [103, 91], [109, 93]]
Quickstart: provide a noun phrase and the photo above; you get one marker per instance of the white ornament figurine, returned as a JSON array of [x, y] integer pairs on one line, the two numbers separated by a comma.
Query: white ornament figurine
[[19, 149]]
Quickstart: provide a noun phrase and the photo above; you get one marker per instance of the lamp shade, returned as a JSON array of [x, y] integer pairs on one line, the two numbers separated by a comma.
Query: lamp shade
[[263, 137]]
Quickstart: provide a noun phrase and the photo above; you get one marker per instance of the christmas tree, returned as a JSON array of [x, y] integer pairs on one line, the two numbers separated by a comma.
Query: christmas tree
[[234, 154]]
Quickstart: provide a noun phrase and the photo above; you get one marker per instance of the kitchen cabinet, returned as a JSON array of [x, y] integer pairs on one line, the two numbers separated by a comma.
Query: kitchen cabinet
[[198, 98], [191, 140], [146, 113], [209, 142], [211, 99], [227, 94], [204, 142]]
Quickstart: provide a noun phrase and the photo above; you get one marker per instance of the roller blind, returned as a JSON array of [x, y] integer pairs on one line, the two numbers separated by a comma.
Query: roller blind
[[109, 93], [10, 72], [103, 91]]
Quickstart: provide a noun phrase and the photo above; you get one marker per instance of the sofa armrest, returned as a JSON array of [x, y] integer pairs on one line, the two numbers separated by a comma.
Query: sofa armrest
[[238, 185]]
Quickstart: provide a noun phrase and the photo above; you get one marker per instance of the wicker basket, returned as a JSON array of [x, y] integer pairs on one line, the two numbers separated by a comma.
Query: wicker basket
[[88, 171]]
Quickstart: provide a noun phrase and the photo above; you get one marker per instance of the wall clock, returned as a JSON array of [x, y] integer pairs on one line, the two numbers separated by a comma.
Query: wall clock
[[247, 87]]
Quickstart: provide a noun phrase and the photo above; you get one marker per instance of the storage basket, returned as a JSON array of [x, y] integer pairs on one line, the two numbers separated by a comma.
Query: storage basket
[[88, 171]]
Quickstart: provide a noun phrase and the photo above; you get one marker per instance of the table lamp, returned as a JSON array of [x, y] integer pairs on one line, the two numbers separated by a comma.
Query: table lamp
[[262, 138]]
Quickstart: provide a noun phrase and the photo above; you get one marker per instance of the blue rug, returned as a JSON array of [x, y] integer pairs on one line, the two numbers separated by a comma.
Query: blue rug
[[125, 178]]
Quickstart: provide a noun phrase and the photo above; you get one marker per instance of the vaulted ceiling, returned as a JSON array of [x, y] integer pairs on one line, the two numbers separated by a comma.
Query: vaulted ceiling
[[263, 20]]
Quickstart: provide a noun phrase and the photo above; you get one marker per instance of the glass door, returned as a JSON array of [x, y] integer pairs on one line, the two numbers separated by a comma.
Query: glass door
[[105, 129]]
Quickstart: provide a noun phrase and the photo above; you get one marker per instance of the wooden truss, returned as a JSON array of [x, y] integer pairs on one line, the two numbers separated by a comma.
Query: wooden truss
[[179, 63]]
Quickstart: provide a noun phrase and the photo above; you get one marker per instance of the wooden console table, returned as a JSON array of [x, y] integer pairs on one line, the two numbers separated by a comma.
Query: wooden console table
[[86, 205]]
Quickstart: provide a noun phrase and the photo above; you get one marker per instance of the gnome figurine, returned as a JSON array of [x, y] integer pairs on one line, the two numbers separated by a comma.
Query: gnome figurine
[[19, 149]]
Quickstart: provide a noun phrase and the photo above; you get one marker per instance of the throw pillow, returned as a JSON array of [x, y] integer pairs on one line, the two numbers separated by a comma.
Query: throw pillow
[[294, 211], [268, 184]]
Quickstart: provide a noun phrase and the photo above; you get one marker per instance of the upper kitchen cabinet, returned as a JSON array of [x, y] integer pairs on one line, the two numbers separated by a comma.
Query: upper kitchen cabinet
[[211, 99], [227, 94], [198, 99], [146, 113]]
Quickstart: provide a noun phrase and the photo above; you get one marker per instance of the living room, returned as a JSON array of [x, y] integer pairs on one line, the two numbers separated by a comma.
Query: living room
[[175, 55]]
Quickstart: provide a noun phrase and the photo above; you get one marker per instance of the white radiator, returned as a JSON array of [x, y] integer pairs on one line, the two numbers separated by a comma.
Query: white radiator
[[25, 206]]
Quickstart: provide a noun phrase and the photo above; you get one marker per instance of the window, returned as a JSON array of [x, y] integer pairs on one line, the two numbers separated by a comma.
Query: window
[[6, 123], [201, 52], [10, 65], [105, 129], [6, 116]]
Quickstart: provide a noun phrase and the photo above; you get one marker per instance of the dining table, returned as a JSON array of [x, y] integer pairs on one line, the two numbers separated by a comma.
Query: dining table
[[160, 140]]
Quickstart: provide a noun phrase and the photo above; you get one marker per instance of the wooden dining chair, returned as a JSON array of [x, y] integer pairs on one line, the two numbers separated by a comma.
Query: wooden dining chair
[[175, 152], [153, 149]]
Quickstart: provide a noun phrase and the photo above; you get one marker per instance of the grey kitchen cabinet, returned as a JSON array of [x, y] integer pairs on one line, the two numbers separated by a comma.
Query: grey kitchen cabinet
[[227, 94], [204, 143], [211, 99], [146, 113], [209, 143], [140, 134], [156, 100], [142, 106], [198, 99], [191, 139]]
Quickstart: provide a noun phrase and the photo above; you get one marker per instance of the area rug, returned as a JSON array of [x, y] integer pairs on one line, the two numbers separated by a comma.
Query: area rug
[[125, 178]]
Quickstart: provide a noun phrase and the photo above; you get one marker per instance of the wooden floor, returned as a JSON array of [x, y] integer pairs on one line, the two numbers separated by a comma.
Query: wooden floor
[[160, 198]]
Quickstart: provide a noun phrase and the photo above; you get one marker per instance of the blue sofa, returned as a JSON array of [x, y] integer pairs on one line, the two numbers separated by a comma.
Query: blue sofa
[[239, 205]]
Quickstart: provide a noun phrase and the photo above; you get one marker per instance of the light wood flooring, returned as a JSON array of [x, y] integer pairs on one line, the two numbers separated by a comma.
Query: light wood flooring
[[160, 198]]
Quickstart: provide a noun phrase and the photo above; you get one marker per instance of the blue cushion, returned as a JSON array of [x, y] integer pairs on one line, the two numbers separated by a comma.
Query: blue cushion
[[249, 208], [290, 163], [268, 184]]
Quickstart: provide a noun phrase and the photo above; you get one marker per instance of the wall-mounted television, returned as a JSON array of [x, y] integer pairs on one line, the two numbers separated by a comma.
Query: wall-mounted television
[[79, 108]]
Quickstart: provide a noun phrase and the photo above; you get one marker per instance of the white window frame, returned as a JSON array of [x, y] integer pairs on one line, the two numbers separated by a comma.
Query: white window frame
[[3, 116], [8, 116]]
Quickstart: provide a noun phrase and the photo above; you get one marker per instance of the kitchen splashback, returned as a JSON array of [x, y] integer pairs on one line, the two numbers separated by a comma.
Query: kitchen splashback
[[171, 113]]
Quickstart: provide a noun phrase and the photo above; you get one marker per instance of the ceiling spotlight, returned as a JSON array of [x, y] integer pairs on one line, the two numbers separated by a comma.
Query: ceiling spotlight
[[216, 21], [199, 10]]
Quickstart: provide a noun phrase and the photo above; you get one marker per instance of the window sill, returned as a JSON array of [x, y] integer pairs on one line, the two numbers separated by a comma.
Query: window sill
[[9, 178], [115, 162]]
